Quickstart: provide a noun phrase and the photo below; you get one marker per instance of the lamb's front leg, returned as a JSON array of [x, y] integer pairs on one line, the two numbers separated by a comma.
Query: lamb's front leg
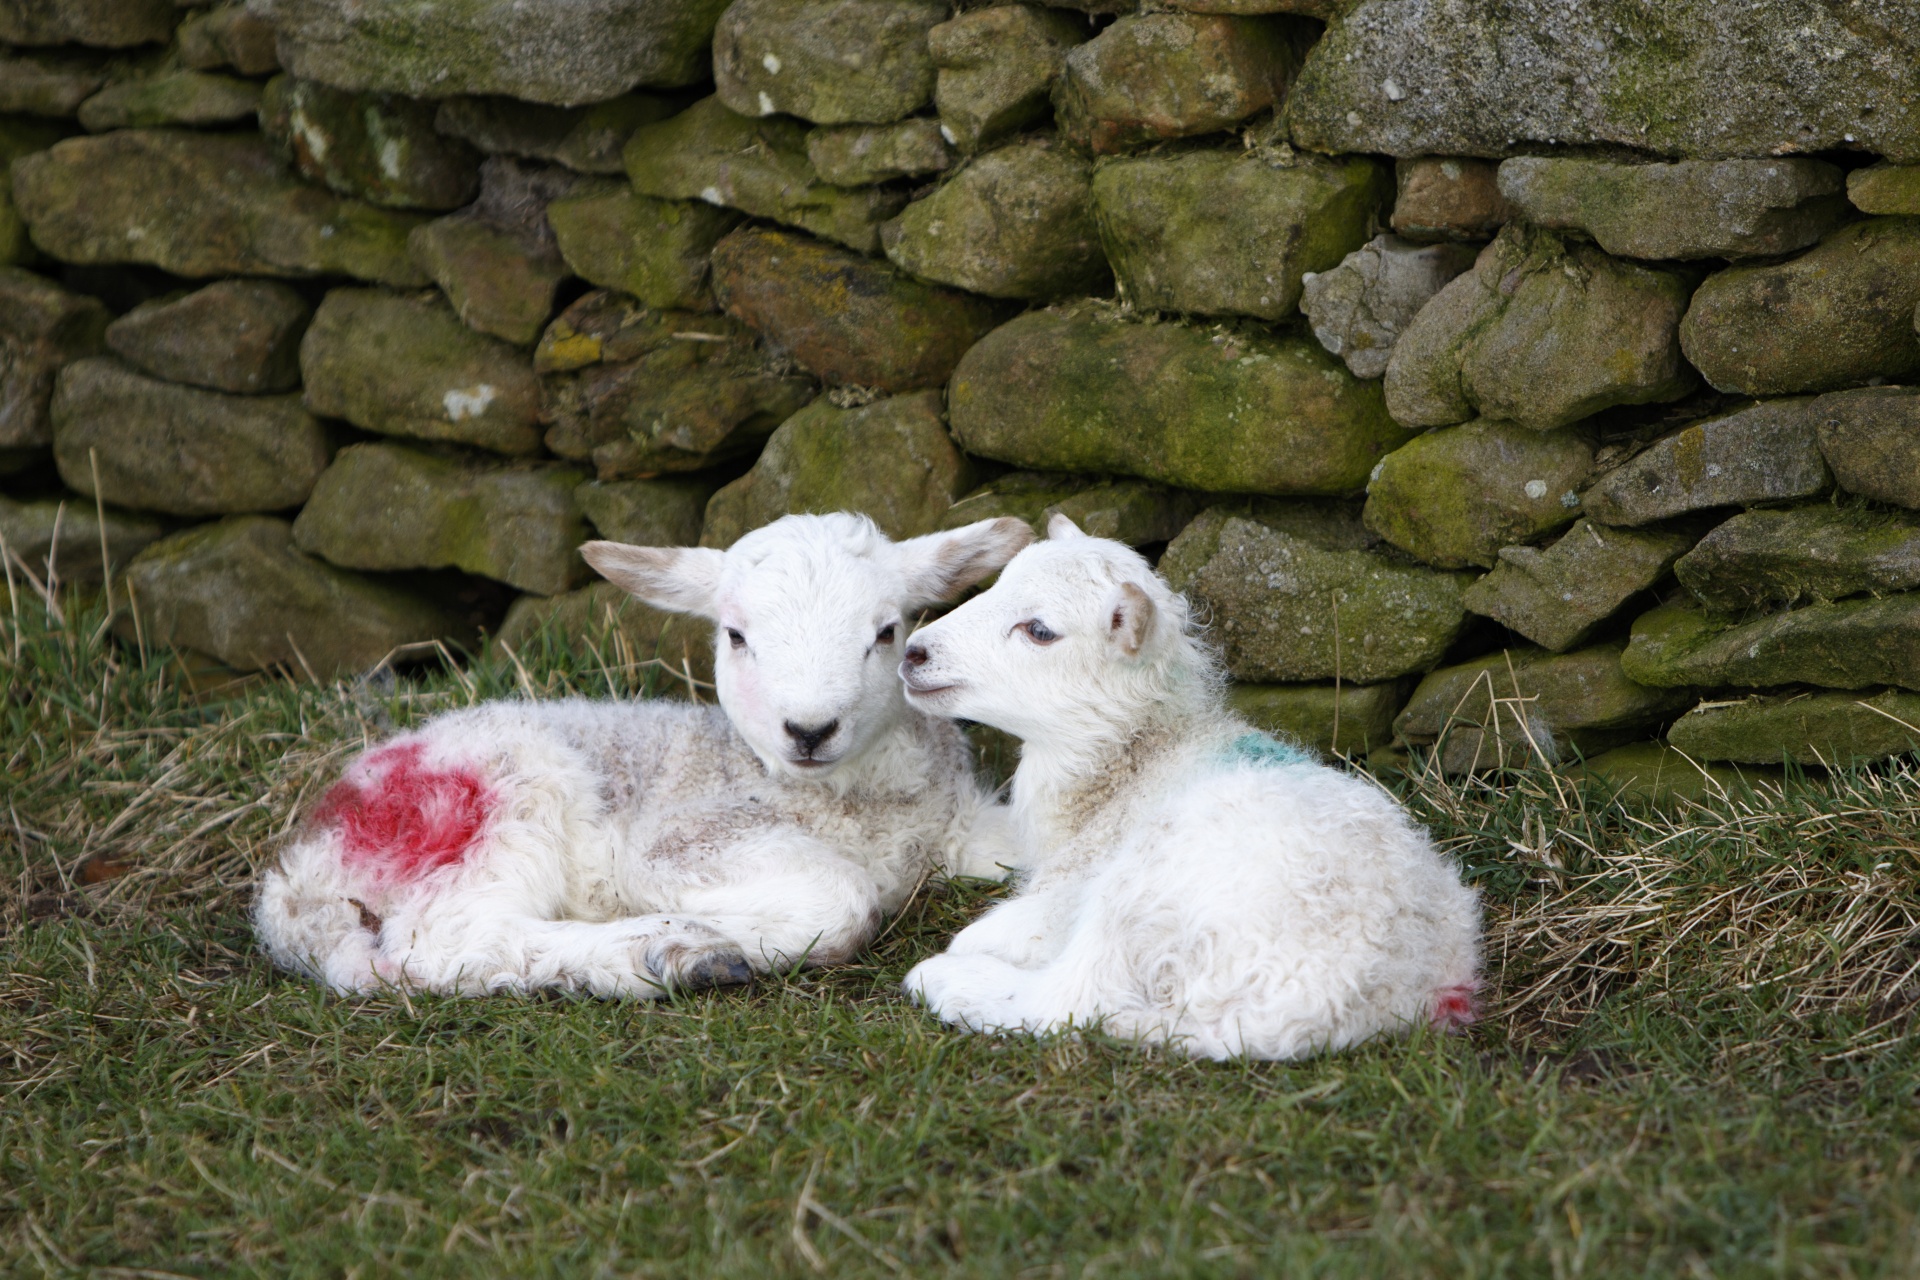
[[779, 895], [989, 975], [1026, 930], [989, 848], [489, 944]]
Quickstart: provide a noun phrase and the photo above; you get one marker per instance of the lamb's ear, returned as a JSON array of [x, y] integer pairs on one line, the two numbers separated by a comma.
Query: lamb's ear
[[682, 579], [1060, 527], [940, 566], [1131, 621]]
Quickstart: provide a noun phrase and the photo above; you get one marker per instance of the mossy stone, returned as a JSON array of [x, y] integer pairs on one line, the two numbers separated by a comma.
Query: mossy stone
[[656, 250], [1555, 596], [1763, 558], [1870, 436], [996, 69], [1687, 209], [1542, 332], [229, 35], [1886, 188], [374, 147], [1838, 315], [647, 513], [1851, 644], [1525, 706], [586, 139], [602, 622], [241, 336], [497, 260], [390, 506], [194, 98], [202, 204], [1288, 606], [19, 137], [1173, 75], [1360, 307], [1655, 775], [182, 450], [52, 82], [1455, 497], [43, 327], [1448, 198], [1232, 233], [828, 61], [499, 280], [561, 54], [109, 24], [1689, 78], [642, 392], [1335, 720], [759, 167], [406, 366], [240, 590], [1805, 728], [1130, 511], [1758, 453], [63, 537], [1081, 389], [849, 319], [1016, 222], [891, 460], [609, 327], [858, 155]]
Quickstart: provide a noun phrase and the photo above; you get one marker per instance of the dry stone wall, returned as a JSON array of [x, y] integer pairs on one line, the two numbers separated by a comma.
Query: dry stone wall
[[1515, 378]]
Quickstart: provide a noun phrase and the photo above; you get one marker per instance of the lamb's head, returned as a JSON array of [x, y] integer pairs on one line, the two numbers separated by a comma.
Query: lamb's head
[[1077, 638], [811, 614]]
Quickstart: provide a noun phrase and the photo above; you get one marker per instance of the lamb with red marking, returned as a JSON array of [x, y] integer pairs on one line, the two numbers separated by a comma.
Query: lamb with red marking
[[628, 848]]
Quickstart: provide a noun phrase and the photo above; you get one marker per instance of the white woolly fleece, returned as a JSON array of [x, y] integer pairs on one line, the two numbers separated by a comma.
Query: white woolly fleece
[[626, 848], [1183, 878]]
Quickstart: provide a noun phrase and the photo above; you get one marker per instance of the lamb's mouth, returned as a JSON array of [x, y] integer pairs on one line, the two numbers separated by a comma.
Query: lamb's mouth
[[917, 690]]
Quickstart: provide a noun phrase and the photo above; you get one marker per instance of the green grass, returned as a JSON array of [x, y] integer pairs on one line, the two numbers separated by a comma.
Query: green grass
[[1699, 1058]]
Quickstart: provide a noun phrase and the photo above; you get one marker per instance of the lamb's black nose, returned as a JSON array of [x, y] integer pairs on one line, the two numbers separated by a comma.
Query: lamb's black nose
[[914, 656], [810, 739]]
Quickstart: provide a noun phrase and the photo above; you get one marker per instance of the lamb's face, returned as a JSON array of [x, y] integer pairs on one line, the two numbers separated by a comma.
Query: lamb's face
[[810, 616], [806, 643], [1068, 621]]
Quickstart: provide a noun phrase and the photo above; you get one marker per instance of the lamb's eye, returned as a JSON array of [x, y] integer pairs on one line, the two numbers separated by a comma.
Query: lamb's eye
[[735, 639], [887, 633], [1038, 631]]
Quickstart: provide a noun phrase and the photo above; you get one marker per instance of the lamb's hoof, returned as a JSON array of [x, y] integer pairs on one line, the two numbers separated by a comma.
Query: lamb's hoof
[[718, 971], [685, 965]]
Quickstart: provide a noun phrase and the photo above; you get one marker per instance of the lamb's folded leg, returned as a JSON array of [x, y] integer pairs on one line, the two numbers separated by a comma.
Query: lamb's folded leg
[[1025, 931], [989, 848], [480, 947], [984, 993], [781, 896]]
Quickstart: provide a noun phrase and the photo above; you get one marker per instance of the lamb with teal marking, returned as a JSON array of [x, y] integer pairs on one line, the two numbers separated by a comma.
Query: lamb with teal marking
[[1182, 878]]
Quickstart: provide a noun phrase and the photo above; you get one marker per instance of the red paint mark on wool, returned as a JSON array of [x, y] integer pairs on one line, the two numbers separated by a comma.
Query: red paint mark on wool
[[1456, 1006], [406, 820]]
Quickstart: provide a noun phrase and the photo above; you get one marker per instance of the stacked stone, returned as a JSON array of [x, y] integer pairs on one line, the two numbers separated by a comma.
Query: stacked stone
[[1507, 379]]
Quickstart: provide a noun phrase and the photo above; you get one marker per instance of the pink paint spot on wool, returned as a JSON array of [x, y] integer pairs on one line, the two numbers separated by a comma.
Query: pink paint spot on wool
[[406, 820], [1455, 1007]]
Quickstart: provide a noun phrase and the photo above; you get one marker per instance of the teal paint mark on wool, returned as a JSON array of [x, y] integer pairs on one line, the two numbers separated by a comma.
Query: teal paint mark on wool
[[1259, 748]]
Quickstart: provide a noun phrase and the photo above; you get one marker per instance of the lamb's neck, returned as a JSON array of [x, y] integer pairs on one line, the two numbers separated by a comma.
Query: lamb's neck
[[901, 759], [1062, 784]]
